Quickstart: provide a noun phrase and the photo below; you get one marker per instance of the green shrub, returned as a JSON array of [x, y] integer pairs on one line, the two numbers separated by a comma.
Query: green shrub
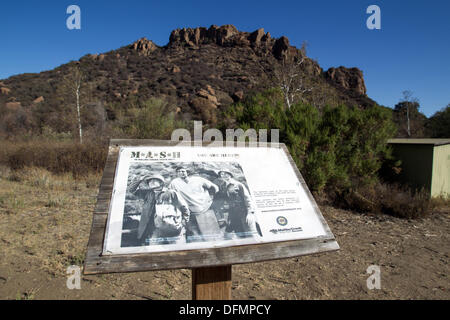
[[438, 125], [336, 149], [152, 119], [259, 111], [340, 151], [348, 148]]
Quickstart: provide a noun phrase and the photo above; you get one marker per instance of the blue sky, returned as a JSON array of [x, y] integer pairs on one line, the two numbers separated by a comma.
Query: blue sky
[[410, 52]]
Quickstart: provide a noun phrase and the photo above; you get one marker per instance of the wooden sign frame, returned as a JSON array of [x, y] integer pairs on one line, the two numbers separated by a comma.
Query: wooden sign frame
[[96, 263]]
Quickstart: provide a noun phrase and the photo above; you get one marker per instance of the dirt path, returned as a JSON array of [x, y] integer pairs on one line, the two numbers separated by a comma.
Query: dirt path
[[45, 224]]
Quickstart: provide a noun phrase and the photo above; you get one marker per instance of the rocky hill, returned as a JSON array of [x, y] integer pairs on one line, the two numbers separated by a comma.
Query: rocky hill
[[199, 71]]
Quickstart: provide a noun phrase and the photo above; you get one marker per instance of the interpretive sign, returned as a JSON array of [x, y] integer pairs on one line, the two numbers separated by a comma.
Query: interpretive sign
[[166, 205]]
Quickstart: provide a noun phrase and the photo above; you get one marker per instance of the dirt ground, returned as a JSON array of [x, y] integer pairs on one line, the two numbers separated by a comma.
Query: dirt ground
[[45, 222]]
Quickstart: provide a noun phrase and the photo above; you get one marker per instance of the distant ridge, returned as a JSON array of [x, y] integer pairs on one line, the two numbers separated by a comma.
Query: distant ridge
[[199, 71]]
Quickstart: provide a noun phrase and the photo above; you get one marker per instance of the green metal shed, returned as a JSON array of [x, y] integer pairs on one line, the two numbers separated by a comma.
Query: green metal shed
[[425, 164]]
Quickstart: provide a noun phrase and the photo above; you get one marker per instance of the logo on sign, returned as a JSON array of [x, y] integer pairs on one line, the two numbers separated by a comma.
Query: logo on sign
[[282, 221]]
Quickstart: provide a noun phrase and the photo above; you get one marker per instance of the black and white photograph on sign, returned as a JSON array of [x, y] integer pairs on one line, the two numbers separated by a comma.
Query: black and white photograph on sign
[[186, 198], [176, 202]]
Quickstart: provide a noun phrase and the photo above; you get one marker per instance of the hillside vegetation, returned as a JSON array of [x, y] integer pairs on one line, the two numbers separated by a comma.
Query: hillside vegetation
[[228, 79], [198, 73]]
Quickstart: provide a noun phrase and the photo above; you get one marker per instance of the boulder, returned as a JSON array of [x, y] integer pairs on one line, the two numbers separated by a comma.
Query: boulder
[[256, 36], [188, 36], [175, 69], [210, 90], [267, 37], [13, 106], [205, 109], [5, 90], [38, 100], [144, 46], [223, 98], [280, 48], [238, 95], [222, 34], [207, 95], [350, 79]]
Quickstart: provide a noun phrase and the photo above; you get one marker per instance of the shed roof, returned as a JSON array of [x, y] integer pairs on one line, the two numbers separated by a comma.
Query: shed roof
[[436, 142]]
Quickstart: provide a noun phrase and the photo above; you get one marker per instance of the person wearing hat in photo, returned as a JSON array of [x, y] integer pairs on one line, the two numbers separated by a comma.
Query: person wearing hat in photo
[[225, 176], [241, 213], [240, 219], [237, 207], [198, 193], [220, 200], [164, 215]]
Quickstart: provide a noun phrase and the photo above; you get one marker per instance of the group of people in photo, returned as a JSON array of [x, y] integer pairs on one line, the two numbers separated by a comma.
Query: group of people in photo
[[192, 208]]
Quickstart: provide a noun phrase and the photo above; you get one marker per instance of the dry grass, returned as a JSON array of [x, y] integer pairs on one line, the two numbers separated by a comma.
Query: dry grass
[[441, 202], [391, 199], [54, 156], [38, 241], [46, 217]]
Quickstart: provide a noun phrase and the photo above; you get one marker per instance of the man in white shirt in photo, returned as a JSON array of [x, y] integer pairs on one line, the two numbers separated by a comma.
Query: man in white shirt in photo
[[198, 193]]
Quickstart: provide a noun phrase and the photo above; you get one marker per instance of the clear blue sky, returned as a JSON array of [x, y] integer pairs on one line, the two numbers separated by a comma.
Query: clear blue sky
[[410, 52]]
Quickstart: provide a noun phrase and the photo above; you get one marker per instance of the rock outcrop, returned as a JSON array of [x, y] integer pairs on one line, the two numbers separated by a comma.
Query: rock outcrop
[[238, 96], [13, 106], [144, 46], [5, 90], [281, 48], [195, 37], [350, 79], [208, 94], [257, 36], [175, 69], [229, 36], [38, 100]]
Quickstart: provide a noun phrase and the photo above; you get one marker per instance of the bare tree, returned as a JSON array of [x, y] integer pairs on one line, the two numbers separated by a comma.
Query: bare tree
[[408, 117], [73, 85], [291, 77], [408, 101], [406, 96]]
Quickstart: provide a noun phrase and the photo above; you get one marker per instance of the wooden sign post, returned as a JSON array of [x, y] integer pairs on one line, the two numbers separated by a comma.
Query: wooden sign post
[[211, 283], [211, 266]]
